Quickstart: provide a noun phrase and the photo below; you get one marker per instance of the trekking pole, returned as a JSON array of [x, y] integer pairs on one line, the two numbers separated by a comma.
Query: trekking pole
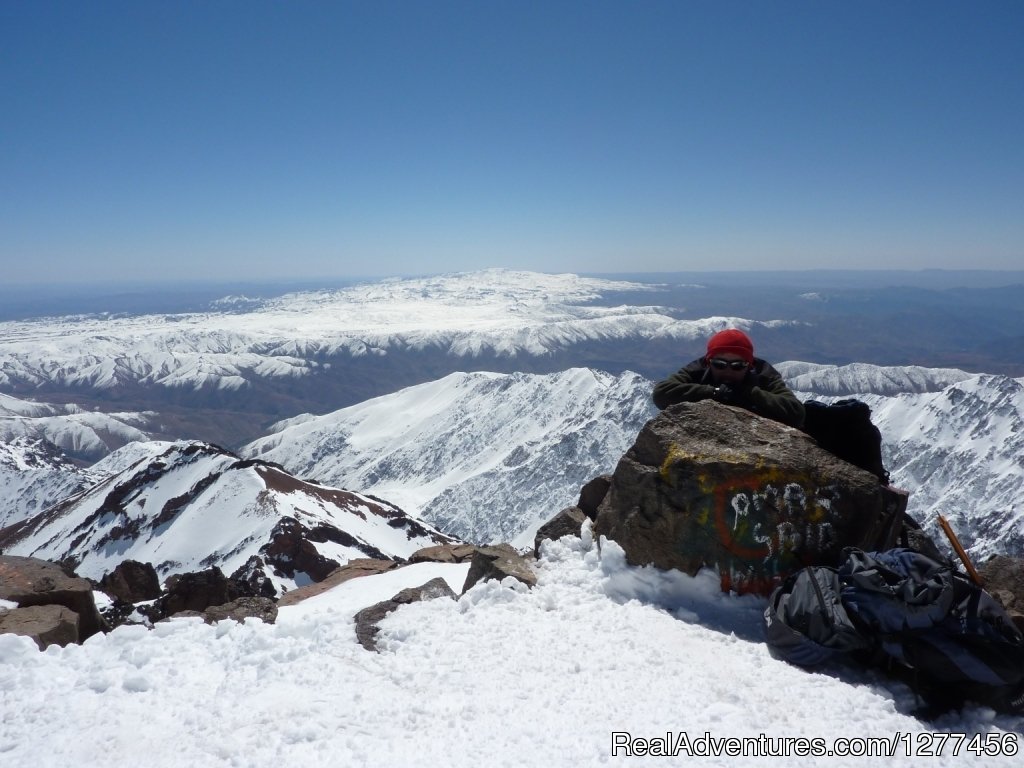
[[961, 553]]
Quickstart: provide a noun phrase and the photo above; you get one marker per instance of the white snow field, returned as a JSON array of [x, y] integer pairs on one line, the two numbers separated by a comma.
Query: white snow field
[[506, 676]]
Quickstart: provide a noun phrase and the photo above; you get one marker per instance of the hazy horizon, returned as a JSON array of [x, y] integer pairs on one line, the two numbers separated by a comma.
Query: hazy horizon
[[972, 276], [35, 300]]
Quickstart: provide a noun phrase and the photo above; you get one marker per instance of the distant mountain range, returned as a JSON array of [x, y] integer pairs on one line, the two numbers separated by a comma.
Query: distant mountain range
[[82, 435], [225, 374], [475, 454]]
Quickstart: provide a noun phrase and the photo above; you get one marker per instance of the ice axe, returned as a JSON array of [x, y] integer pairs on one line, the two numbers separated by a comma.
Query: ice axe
[[961, 553]]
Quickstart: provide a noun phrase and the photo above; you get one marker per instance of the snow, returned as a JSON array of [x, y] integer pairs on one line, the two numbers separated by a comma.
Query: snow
[[82, 434], [956, 449], [501, 312], [34, 475], [194, 505], [129, 455], [858, 379], [505, 676], [454, 450]]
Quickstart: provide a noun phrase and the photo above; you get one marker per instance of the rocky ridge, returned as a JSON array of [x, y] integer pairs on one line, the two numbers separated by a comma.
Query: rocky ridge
[[194, 506]]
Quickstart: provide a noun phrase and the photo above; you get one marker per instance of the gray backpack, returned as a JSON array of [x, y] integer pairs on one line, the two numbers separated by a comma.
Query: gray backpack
[[908, 614]]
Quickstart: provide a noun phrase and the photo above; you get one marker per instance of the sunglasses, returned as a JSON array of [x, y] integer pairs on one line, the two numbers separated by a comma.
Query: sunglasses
[[736, 365]]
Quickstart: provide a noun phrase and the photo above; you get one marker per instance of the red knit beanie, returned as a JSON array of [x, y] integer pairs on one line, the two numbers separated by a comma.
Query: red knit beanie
[[731, 341]]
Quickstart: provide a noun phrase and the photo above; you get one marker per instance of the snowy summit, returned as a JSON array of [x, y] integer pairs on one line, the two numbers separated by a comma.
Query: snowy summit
[[596, 665]]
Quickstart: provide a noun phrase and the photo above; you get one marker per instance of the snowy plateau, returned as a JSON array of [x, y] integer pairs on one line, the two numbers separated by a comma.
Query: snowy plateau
[[472, 406]]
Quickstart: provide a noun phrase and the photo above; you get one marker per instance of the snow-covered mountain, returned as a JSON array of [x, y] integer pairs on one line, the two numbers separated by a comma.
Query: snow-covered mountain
[[84, 435], [857, 379], [34, 474], [192, 505], [955, 440], [43, 447], [490, 455], [961, 453], [224, 374], [482, 456], [495, 311], [487, 456], [318, 351], [502, 311]]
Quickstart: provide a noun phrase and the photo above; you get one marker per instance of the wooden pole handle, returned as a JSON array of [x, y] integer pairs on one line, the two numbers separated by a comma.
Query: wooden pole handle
[[961, 553]]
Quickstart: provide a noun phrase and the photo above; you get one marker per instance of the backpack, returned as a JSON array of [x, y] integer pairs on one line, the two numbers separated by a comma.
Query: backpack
[[845, 429], [917, 618]]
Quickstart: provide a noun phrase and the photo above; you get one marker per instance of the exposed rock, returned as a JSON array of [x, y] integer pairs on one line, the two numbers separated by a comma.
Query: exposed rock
[[291, 550], [443, 553], [285, 532], [592, 494], [497, 562], [709, 484], [238, 610], [46, 624], [196, 592], [252, 573], [1003, 577], [28, 581], [132, 582], [367, 620], [119, 613], [353, 569], [919, 541], [243, 608], [568, 522]]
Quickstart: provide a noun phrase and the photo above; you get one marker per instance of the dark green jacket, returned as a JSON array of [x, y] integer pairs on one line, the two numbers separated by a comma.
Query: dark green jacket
[[763, 391]]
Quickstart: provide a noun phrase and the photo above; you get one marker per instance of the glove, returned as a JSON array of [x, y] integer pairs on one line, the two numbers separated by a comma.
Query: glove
[[734, 394], [724, 393], [741, 390]]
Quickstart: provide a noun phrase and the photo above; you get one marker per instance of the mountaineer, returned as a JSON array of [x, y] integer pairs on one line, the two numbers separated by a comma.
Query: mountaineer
[[730, 374]]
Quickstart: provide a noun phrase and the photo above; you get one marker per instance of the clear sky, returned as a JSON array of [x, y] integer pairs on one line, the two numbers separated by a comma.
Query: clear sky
[[222, 140]]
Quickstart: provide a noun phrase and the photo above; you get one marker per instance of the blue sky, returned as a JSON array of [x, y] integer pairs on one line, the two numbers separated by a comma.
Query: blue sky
[[222, 140]]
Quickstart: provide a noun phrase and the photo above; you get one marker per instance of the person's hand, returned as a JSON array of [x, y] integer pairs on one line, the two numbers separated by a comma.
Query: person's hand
[[741, 389], [724, 393], [735, 393]]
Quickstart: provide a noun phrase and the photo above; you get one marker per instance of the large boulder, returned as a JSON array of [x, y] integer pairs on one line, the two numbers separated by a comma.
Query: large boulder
[[568, 522], [132, 582], [28, 582], [709, 484], [195, 592], [46, 624], [254, 573], [496, 562], [443, 553], [592, 494]]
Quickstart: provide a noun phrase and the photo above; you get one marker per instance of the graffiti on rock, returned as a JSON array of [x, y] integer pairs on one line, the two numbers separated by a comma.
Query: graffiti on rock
[[763, 524]]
